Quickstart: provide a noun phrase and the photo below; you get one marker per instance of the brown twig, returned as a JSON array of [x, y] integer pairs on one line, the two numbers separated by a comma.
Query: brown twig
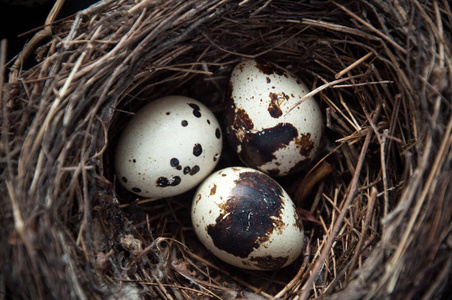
[[46, 32]]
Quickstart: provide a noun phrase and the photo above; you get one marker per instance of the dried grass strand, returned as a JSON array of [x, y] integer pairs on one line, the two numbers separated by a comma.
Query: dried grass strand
[[337, 223]]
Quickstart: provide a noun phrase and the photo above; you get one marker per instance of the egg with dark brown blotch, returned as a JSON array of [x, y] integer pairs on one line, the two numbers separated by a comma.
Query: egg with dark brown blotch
[[245, 218], [168, 147], [264, 124]]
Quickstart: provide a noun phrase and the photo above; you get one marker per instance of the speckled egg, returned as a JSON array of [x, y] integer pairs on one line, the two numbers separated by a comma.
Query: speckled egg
[[262, 128], [168, 147], [245, 218]]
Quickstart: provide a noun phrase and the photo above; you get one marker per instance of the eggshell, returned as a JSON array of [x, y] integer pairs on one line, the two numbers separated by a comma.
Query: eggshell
[[168, 147], [265, 135], [245, 218]]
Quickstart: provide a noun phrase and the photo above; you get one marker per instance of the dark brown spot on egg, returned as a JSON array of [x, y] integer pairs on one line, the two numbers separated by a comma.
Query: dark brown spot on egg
[[213, 190], [259, 148], [196, 109], [194, 170], [242, 120], [237, 122], [268, 80], [269, 68], [269, 262], [136, 190], [124, 179], [174, 162], [184, 123], [197, 150], [305, 144], [194, 106], [274, 108], [218, 133], [176, 180], [249, 216], [164, 182], [187, 170]]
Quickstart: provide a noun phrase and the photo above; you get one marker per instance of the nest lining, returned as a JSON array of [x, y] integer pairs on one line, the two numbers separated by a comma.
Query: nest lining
[[377, 206]]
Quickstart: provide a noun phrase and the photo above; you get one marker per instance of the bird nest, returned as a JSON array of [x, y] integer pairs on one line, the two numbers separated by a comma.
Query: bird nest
[[376, 203]]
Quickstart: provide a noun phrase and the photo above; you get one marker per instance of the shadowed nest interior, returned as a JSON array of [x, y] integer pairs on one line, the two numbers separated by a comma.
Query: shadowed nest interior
[[377, 204]]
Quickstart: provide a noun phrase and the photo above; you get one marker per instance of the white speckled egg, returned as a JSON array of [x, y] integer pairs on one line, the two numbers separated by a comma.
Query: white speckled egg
[[245, 218], [168, 147], [265, 135]]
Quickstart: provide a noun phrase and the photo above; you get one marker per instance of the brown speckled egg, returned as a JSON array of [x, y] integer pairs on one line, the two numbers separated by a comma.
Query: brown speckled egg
[[263, 132], [245, 218], [168, 147]]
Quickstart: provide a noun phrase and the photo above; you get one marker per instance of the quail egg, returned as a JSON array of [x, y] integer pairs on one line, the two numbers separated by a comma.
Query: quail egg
[[168, 147], [245, 218], [262, 128]]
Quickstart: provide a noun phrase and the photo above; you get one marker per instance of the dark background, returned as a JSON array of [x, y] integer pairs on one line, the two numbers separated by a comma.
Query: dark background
[[19, 19]]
